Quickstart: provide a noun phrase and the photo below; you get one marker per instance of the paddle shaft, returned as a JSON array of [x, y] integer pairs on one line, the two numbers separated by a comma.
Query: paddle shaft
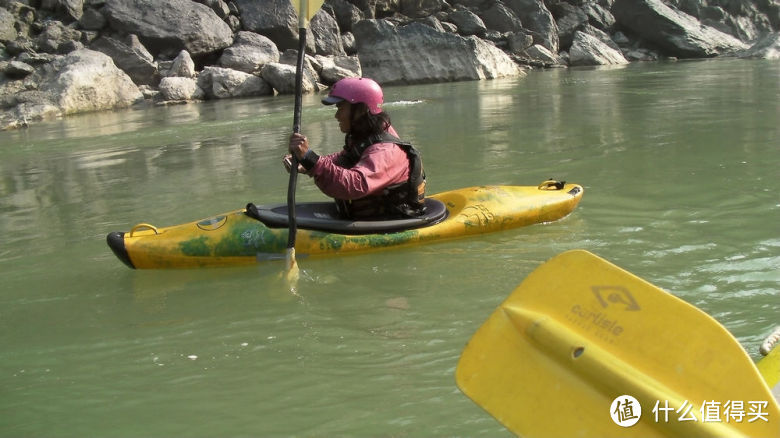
[[293, 228]]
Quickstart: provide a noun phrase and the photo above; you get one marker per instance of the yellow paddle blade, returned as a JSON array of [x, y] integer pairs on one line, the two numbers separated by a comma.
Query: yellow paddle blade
[[293, 272], [558, 357], [769, 367], [306, 9]]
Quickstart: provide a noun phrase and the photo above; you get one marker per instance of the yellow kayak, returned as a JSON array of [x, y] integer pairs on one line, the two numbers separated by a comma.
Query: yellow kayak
[[260, 233]]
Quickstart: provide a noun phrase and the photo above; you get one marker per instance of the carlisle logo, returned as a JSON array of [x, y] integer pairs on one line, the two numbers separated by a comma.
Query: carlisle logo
[[615, 295]]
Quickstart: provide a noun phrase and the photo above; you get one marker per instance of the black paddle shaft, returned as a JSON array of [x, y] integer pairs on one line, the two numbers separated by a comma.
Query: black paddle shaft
[[293, 229]]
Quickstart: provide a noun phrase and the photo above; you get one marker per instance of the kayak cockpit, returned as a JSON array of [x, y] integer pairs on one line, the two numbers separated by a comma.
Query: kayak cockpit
[[323, 216]]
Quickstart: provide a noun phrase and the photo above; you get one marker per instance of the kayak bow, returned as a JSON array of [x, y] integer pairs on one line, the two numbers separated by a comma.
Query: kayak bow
[[236, 237]]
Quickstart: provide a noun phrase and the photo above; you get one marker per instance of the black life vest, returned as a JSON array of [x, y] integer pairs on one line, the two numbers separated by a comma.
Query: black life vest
[[405, 199]]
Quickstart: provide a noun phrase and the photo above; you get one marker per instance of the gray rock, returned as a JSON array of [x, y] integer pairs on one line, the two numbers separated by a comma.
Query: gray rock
[[676, 33], [282, 78], [222, 83], [421, 8], [18, 70], [310, 73], [639, 54], [589, 50], [537, 19], [36, 59], [601, 35], [767, 47], [179, 88], [218, 6], [275, 19], [448, 27], [599, 17], [346, 13], [569, 19], [92, 19], [131, 56], [20, 45], [54, 35], [433, 22], [417, 54], [543, 55], [325, 30], [182, 66], [385, 8], [170, 26], [22, 114], [70, 8], [468, 22], [519, 41], [334, 69], [7, 28], [349, 43], [87, 80], [249, 52], [501, 18]]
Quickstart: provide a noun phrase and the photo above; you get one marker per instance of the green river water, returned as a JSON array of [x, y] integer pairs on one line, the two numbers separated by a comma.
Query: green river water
[[680, 167]]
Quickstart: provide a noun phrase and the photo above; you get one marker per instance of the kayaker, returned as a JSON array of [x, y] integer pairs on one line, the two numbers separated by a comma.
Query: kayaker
[[376, 175]]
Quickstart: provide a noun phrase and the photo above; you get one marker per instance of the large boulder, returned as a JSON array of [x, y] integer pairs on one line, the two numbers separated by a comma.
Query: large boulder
[[282, 78], [569, 19], [334, 68], [327, 38], [222, 83], [86, 80], [7, 28], [249, 52], [599, 17], [178, 89], [499, 17], [587, 49], [345, 12], [167, 27], [675, 32], [72, 9], [537, 19], [275, 19], [417, 53], [131, 56], [468, 23]]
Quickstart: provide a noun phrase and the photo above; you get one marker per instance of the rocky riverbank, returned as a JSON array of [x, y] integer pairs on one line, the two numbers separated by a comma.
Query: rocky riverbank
[[60, 57]]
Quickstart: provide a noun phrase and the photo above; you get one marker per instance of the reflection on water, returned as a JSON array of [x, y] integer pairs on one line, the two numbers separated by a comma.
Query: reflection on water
[[679, 162]]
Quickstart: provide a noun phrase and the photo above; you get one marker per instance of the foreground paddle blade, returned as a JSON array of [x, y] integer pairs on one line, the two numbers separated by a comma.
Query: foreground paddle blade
[[769, 367], [559, 355], [293, 272]]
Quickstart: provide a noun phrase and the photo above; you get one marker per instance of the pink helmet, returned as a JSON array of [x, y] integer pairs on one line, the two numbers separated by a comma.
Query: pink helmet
[[354, 90]]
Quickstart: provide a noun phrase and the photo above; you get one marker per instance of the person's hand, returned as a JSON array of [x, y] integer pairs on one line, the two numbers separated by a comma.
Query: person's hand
[[287, 161], [299, 145]]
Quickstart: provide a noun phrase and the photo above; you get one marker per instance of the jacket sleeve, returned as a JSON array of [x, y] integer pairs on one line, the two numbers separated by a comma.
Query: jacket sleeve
[[380, 166]]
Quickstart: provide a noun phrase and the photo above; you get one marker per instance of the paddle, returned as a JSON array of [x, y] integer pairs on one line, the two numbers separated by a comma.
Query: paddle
[[579, 333], [305, 10]]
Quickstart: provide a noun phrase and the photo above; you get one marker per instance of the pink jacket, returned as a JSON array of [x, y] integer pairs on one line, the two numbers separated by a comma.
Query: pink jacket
[[380, 166]]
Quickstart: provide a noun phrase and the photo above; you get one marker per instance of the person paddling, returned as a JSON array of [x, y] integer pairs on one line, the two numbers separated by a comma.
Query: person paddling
[[376, 175]]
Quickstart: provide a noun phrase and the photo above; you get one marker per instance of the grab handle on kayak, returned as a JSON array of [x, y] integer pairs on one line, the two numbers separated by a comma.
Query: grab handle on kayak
[[552, 184], [143, 226]]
